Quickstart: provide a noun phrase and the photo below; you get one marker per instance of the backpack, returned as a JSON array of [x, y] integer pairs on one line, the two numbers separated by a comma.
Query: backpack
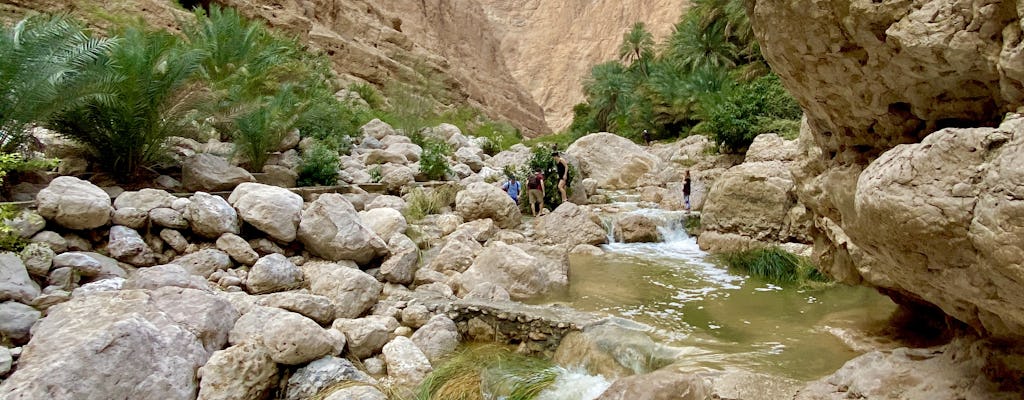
[[534, 181]]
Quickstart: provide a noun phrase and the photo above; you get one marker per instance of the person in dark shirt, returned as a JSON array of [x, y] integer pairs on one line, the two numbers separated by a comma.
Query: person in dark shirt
[[563, 173], [686, 190]]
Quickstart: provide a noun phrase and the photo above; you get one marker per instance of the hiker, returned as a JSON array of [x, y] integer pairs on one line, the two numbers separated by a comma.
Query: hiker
[[563, 173], [535, 190], [647, 137], [686, 191], [512, 187]]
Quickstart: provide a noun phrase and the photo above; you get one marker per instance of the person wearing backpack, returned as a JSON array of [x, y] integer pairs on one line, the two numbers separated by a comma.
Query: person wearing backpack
[[513, 188], [535, 189]]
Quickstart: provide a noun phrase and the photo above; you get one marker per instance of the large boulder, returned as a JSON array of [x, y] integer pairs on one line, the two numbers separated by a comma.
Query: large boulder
[[331, 228], [321, 374], [288, 338], [315, 307], [750, 200], [127, 245], [165, 275], [385, 222], [74, 203], [16, 321], [245, 371], [145, 200], [457, 254], [176, 329], [397, 179], [437, 338], [209, 173], [522, 274], [407, 365], [663, 384], [962, 369], [516, 156], [211, 216], [352, 291], [377, 129], [273, 210], [614, 348], [614, 161], [572, 225], [636, 228], [273, 273], [481, 200], [15, 283], [366, 336], [204, 262]]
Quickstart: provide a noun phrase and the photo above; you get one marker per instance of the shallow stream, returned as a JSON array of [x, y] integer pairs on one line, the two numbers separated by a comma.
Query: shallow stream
[[723, 320]]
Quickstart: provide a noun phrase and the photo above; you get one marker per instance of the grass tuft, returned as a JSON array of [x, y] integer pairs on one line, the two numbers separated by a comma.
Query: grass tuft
[[486, 372], [775, 265], [422, 202]]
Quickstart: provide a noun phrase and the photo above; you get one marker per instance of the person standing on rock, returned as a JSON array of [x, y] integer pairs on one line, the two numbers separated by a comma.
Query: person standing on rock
[[535, 189], [563, 173], [647, 137], [686, 190], [512, 187]]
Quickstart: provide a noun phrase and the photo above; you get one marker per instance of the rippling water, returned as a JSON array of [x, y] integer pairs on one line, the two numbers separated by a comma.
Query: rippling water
[[720, 318]]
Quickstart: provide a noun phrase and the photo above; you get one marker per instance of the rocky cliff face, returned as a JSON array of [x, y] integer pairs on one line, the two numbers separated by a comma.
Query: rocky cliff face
[[521, 60], [915, 184], [549, 46]]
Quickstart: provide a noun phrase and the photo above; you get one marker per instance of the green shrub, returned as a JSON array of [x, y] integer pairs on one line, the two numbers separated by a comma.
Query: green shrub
[[369, 94], [47, 67], [9, 239], [331, 123], [434, 160], [774, 265], [150, 93], [500, 136], [319, 167], [422, 202], [375, 174], [259, 131], [14, 162]]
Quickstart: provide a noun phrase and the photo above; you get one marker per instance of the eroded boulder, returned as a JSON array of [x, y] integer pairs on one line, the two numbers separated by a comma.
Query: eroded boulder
[[273, 210], [614, 161], [481, 200], [74, 203], [331, 228]]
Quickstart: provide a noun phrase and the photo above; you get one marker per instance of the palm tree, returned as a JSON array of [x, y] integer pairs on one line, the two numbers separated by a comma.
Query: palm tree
[[607, 92], [637, 47], [696, 46], [150, 92], [45, 62]]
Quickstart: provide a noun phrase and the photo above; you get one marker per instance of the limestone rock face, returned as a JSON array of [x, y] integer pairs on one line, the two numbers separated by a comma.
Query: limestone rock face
[[482, 200], [614, 161], [244, 371], [571, 224], [165, 275], [331, 228], [273, 210], [177, 329], [457, 254], [953, 371], [317, 308], [16, 321], [209, 173], [895, 75], [366, 336], [74, 203]]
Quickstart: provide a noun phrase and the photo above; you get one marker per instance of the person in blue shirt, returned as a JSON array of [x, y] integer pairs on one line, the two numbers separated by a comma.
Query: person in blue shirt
[[513, 188]]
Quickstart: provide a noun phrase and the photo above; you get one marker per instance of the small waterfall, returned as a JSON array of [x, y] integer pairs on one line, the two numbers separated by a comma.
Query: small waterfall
[[609, 227], [673, 230], [575, 384]]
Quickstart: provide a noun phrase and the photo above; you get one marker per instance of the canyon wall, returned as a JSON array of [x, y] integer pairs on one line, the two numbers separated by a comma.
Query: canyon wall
[[915, 170], [549, 46], [522, 61]]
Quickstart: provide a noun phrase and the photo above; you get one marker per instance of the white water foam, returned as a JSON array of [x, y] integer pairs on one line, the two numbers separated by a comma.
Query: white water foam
[[575, 384]]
